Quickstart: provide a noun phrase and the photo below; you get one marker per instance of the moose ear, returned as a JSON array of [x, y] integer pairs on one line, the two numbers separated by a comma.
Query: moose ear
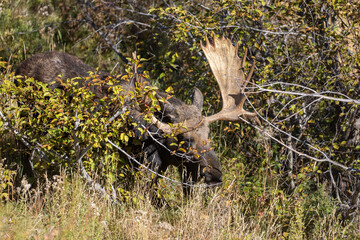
[[197, 99]]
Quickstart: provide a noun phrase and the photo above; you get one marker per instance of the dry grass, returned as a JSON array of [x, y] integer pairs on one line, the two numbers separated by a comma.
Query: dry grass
[[66, 209], [69, 211]]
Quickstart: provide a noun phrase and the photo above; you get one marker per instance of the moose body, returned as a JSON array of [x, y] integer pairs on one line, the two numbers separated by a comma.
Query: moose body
[[201, 160], [47, 67]]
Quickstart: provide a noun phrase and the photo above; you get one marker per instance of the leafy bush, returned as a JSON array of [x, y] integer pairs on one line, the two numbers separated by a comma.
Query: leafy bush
[[71, 126]]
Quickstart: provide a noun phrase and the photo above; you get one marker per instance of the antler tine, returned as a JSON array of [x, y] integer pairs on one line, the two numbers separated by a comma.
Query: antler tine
[[249, 75], [241, 104], [251, 72], [166, 128], [242, 101], [243, 59]]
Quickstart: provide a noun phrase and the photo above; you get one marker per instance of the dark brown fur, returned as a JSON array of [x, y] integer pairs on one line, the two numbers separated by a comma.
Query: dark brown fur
[[46, 67]]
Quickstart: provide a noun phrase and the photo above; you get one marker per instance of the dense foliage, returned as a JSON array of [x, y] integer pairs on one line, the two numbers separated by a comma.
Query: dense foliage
[[305, 88]]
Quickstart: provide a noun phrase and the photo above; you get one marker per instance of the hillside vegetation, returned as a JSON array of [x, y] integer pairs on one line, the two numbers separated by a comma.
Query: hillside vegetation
[[295, 176]]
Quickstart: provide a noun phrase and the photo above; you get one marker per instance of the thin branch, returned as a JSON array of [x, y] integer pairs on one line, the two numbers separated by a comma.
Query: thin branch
[[24, 138], [91, 22], [158, 174], [323, 95], [325, 159], [294, 114], [94, 184]]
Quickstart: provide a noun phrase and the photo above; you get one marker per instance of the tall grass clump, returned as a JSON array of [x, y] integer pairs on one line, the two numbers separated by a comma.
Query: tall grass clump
[[65, 208]]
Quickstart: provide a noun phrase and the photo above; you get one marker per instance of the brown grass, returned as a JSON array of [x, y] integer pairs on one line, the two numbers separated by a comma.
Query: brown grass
[[67, 209]]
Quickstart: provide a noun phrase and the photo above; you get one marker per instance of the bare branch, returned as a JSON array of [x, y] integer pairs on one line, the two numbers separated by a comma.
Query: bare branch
[[326, 157], [97, 29], [158, 174], [322, 95]]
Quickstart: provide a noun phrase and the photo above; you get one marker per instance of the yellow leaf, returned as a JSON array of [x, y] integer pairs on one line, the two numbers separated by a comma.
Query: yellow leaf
[[182, 150], [169, 90]]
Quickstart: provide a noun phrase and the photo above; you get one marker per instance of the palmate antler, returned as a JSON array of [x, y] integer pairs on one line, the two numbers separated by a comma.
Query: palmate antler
[[228, 69]]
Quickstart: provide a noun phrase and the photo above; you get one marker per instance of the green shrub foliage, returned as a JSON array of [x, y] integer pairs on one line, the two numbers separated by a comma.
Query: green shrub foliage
[[69, 124]]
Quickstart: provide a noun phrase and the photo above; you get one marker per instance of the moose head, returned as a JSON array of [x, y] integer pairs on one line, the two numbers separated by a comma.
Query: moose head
[[192, 126]]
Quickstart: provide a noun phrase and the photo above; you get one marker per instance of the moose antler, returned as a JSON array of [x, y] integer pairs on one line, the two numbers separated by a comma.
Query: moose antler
[[166, 128], [228, 69]]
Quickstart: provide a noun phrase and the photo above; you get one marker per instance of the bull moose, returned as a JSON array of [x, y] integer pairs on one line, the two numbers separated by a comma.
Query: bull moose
[[228, 69]]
